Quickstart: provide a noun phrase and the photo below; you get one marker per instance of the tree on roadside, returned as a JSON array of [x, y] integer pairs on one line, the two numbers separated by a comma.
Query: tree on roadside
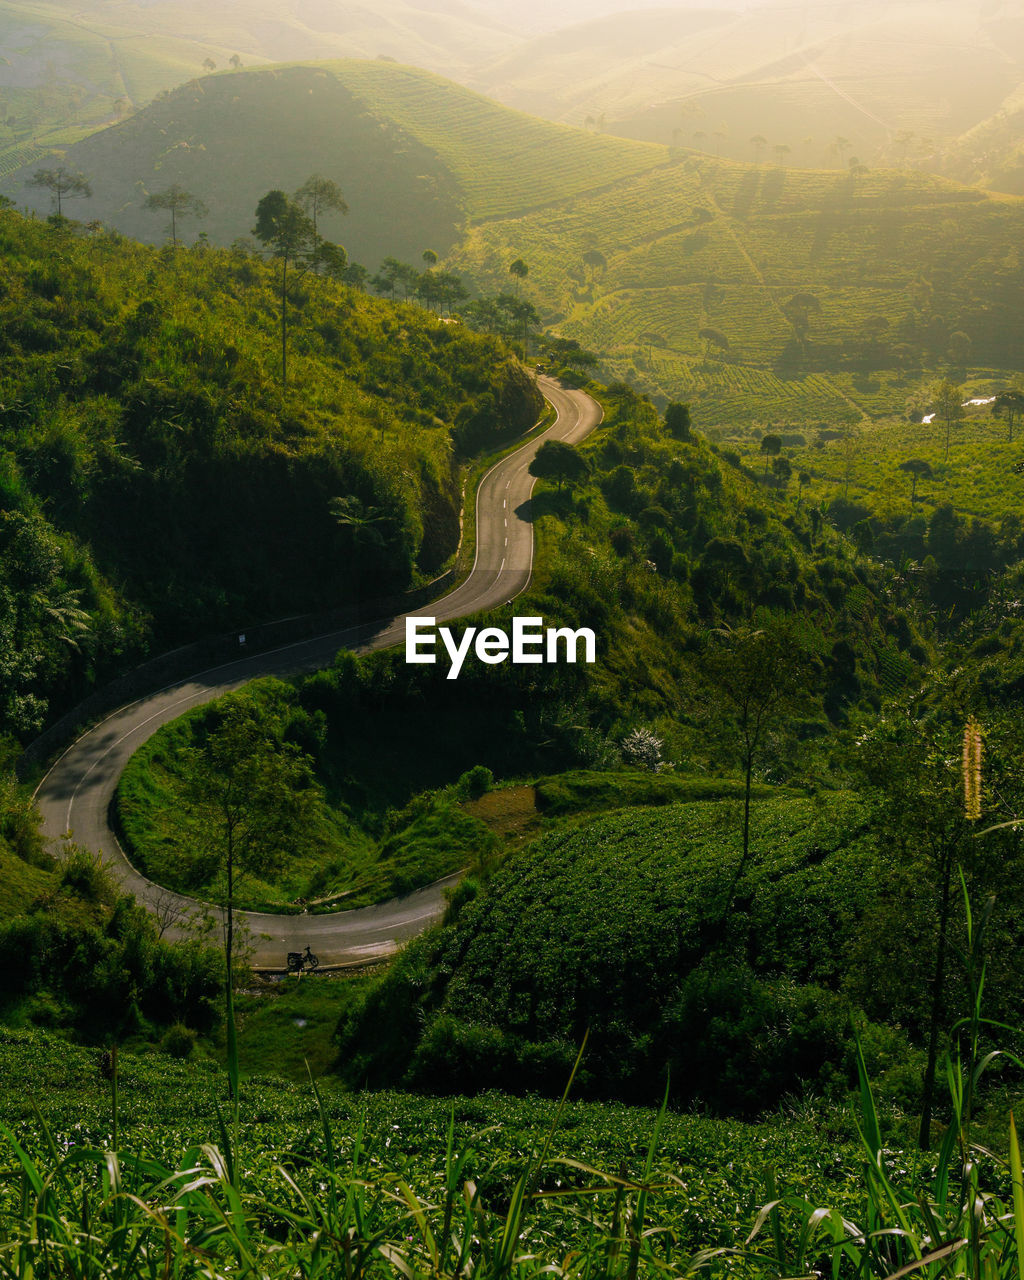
[[520, 316], [179, 203], [62, 184], [316, 197], [556, 460], [288, 233], [252, 800]]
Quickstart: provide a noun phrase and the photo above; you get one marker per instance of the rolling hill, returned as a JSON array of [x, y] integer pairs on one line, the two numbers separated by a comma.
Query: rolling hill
[[882, 81], [416, 155], [66, 72], [771, 295], [909, 83]]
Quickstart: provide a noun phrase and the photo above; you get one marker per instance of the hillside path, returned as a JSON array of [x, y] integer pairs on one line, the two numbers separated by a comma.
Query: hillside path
[[76, 794]]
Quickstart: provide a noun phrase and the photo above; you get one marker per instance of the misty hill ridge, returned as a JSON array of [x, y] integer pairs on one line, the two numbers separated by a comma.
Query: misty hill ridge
[[415, 155]]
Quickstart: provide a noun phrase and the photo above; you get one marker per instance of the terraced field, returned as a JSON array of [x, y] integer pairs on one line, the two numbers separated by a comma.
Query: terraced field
[[503, 160], [902, 278]]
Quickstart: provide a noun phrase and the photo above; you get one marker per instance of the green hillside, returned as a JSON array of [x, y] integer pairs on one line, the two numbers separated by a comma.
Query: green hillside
[[678, 269], [156, 482], [63, 73], [414, 154], [828, 297], [503, 161], [887, 82]]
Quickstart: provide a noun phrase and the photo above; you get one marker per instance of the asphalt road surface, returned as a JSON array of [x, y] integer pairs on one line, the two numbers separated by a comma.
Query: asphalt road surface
[[75, 795]]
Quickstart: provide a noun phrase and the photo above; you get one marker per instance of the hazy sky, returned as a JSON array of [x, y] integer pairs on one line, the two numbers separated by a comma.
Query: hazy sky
[[548, 15]]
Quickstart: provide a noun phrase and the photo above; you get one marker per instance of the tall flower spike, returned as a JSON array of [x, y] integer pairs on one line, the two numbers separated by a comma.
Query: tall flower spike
[[972, 769]]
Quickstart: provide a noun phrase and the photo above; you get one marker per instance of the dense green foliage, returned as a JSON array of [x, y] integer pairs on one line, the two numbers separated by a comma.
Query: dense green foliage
[[614, 929], [361, 838], [153, 481], [661, 547], [76, 954]]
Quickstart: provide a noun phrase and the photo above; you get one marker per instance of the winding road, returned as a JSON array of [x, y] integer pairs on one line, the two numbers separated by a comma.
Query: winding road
[[75, 795]]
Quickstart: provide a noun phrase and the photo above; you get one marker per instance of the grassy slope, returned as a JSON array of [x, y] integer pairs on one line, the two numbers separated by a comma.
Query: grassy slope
[[897, 262], [62, 72], [414, 154], [212, 137], [978, 479], [156, 479], [504, 161], [20, 883]]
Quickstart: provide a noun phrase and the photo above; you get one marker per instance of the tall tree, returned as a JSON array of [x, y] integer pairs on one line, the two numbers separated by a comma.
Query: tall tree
[[256, 800], [771, 447], [62, 184], [948, 399], [519, 271], [782, 469], [595, 261], [1009, 405], [315, 197], [761, 674], [555, 460], [288, 233], [179, 203], [798, 310], [677, 420], [917, 469]]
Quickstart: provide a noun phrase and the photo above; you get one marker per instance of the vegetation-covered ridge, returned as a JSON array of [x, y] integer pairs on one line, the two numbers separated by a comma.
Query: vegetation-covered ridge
[[773, 294], [671, 556], [155, 481], [416, 154], [710, 1174], [381, 1182]]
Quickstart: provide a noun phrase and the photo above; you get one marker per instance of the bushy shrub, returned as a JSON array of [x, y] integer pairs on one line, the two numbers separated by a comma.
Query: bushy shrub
[[178, 1041], [474, 783]]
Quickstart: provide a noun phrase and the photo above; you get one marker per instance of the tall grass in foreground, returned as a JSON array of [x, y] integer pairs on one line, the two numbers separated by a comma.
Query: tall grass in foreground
[[324, 1211], [89, 1214], [924, 1221]]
